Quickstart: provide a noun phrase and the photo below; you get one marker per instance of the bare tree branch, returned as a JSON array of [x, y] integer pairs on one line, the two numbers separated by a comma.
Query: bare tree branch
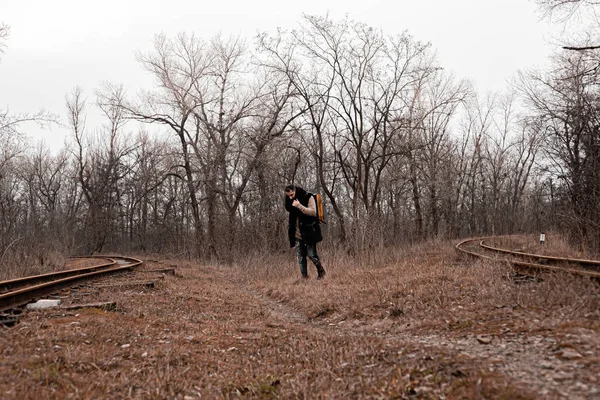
[[576, 48], [4, 32]]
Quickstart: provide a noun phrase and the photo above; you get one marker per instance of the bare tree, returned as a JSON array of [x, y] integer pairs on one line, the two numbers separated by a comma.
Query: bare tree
[[51, 175], [180, 67], [472, 194], [224, 116], [100, 165], [431, 149], [287, 57], [566, 106], [150, 165], [567, 10], [354, 82], [222, 140]]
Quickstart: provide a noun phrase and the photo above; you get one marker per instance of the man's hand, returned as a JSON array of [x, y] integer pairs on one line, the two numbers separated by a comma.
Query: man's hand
[[296, 203]]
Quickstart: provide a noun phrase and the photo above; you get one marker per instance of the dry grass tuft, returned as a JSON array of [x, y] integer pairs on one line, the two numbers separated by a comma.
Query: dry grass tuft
[[24, 262]]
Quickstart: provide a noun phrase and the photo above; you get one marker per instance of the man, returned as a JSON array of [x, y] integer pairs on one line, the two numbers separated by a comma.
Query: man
[[303, 229]]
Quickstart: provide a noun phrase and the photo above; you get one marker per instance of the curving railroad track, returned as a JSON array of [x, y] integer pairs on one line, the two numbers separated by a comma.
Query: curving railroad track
[[18, 292], [530, 264]]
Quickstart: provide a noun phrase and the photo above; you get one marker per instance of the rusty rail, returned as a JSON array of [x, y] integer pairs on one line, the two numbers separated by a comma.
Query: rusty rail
[[13, 284], [530, 267], [579, 261], [21, 291]]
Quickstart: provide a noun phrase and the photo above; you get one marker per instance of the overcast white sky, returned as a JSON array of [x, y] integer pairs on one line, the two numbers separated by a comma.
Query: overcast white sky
[[56, 45]]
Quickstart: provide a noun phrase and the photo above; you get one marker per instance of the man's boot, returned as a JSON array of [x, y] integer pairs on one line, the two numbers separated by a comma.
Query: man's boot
[[320, 272]]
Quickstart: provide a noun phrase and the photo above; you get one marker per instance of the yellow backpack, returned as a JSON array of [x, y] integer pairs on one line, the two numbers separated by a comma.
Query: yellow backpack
[[320, 211]]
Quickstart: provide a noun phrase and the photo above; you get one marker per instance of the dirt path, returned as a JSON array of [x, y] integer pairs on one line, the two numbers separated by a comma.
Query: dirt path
[[537, 362]]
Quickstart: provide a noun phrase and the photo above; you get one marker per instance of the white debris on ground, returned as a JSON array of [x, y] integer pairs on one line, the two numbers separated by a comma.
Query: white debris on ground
[[43, 303]]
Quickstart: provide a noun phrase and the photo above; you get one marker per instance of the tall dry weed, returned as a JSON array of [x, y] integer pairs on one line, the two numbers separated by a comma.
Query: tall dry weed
[[24, 262]]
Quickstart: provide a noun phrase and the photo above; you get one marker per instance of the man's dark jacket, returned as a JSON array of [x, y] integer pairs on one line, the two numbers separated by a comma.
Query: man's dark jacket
[[309, 226]]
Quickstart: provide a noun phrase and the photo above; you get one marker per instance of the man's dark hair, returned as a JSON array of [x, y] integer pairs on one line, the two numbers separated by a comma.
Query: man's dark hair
[[289, 188]]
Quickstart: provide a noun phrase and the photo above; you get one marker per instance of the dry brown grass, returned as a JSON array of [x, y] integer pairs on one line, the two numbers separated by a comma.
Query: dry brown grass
[[399, 324], [555, 245], [426, 282], [16, 264]]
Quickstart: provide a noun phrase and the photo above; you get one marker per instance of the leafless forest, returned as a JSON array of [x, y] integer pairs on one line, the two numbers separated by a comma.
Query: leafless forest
[[400, 149]]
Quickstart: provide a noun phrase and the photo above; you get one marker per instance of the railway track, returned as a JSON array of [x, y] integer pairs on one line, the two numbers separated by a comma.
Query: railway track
[[530, 264], [18, 292]]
